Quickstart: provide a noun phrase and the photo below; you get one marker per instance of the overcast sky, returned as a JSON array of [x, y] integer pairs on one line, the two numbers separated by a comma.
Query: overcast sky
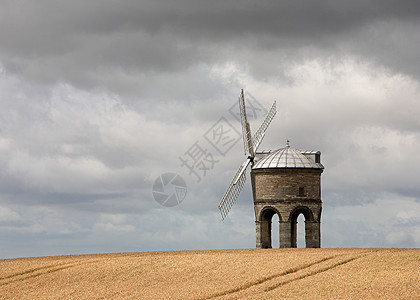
[[99, 98]]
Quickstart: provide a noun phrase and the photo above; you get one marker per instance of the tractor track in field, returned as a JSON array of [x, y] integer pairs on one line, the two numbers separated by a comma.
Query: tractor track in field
[[265, 279], [258, 284], [345, 261], [35, 272]]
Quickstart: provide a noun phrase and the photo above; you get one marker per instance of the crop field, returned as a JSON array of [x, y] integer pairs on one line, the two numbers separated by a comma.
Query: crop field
[[217, 274]]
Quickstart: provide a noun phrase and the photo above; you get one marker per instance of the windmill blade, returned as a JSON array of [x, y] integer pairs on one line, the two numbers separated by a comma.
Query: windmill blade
[[246, 129], [234, 189], [259, 135], [242, 113]]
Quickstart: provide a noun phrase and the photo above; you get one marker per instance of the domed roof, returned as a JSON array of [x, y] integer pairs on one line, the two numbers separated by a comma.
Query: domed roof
[[289, 158]]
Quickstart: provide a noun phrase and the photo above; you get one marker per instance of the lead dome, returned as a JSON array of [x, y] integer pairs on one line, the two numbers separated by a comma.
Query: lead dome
[[288, 158]]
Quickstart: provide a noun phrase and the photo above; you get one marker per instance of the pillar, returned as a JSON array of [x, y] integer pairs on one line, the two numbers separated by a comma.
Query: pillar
[[312, 234], [266, 234], [258, 234], [285, 228]]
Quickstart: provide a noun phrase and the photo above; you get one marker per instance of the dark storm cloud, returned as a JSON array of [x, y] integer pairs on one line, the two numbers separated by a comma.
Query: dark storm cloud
[[217, 18], [86, 43]]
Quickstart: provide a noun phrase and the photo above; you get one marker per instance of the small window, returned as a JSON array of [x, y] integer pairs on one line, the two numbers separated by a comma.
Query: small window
[[318, 158], [301, 192]]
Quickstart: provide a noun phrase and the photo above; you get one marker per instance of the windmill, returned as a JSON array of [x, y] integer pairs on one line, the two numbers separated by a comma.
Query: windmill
[[251, 144]]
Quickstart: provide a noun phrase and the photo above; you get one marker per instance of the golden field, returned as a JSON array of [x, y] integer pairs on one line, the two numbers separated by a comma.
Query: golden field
[[217, 274]]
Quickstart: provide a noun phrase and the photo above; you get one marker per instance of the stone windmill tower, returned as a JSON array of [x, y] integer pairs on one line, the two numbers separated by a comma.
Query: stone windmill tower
[[286, 182]]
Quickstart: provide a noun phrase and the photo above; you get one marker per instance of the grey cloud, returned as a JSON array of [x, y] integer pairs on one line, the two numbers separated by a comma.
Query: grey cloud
[[83, 43]]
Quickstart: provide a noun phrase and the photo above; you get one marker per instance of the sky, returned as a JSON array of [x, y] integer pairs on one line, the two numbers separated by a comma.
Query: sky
[[99, 100]]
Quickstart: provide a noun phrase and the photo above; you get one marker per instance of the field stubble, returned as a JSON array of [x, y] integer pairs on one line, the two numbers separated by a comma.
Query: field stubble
[[218, 274]]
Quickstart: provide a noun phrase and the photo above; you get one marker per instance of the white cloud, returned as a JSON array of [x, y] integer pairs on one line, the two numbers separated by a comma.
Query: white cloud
[[407, 215], [382, 223], [108, 227], [8, 215]]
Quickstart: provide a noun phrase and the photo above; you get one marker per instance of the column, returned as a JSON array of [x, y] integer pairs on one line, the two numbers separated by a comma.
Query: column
[[258, 234], [266, 234], [285, 234], [312, 234]]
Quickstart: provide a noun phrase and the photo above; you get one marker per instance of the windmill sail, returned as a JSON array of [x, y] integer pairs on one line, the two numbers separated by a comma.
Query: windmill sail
[[242, 112], [250, 145], [234, 189], [259, 135], [246, 129]]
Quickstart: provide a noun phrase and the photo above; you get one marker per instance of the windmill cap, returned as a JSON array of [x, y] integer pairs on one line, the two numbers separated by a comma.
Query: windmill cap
[[288, 158]]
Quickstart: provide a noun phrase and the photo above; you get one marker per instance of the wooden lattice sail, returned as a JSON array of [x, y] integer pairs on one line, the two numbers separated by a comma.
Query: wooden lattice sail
[[251, 145]]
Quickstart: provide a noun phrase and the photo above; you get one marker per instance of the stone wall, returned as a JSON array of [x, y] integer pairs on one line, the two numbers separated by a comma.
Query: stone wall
[[287, 192], [275, 185]]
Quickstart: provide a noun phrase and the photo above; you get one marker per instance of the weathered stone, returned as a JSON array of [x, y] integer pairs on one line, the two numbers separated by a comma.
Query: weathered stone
[[287, 191]]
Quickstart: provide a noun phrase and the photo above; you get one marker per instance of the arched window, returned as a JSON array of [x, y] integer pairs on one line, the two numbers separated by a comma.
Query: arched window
[[266, 228], [301, 243], [275, 231], [300, 229]]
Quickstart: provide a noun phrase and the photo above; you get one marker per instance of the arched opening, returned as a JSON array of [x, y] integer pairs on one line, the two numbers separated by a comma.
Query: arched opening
[[275, 231], [266, 221], [301, 231], [301, 227]]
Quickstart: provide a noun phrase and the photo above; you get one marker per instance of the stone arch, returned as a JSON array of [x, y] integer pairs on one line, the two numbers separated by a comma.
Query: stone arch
[[264, 225], [268, 211], [311, 227], [306, 211]]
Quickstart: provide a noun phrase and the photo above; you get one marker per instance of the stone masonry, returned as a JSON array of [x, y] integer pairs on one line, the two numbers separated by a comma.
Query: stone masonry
[[287, 191]]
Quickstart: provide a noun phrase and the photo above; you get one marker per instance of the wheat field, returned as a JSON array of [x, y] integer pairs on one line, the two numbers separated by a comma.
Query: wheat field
[[217, 274]]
